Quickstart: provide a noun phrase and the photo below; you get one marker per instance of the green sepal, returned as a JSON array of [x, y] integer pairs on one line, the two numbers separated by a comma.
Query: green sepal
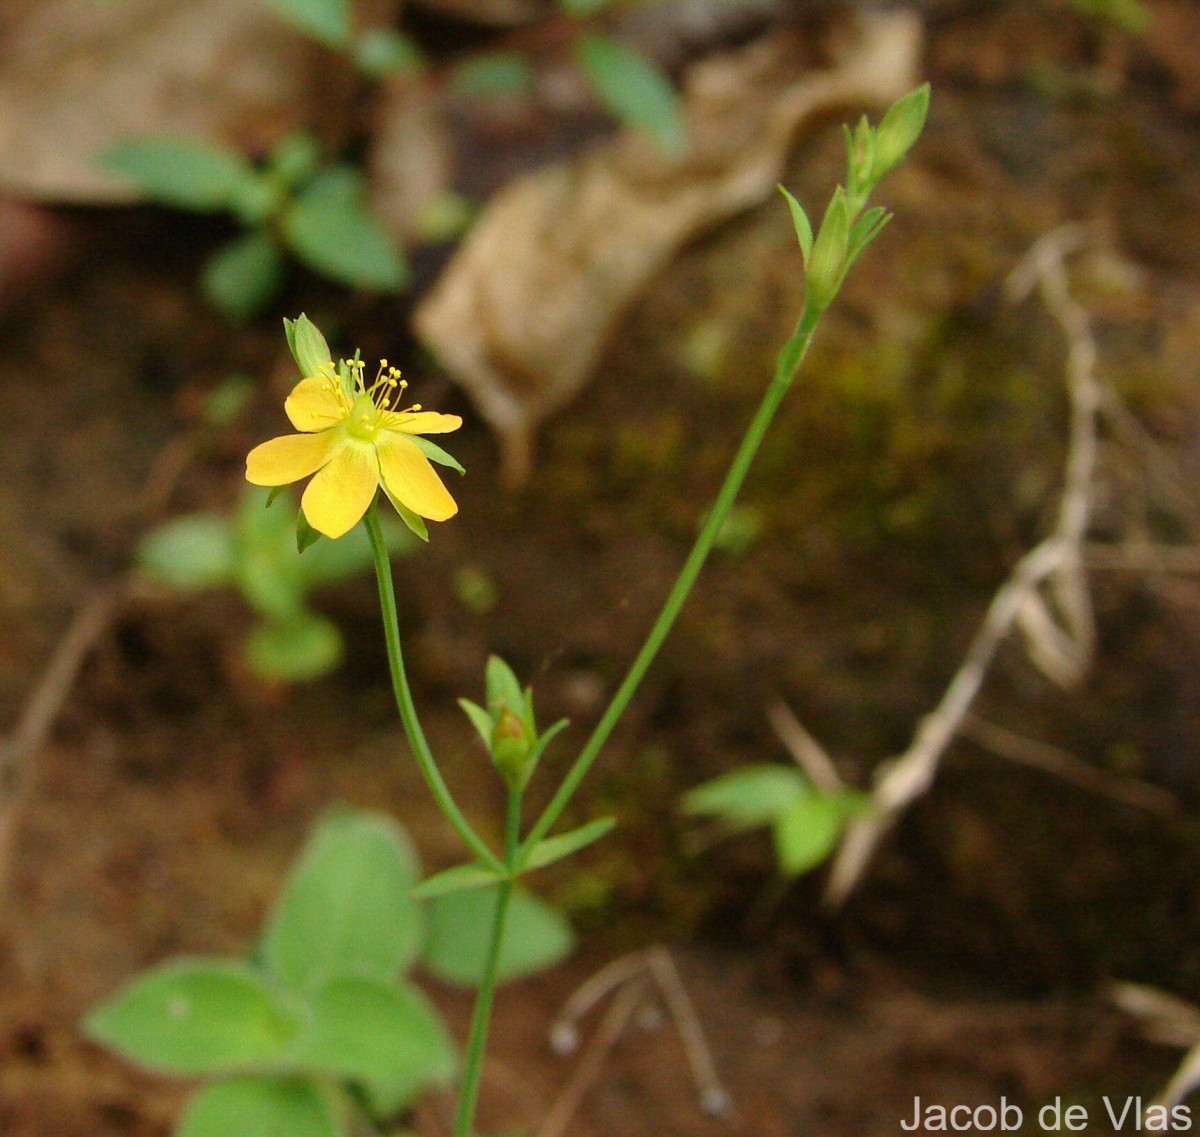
[[827, 265], [414, 521], [306, 535], [307, 345], [435, 453], [480, 720]]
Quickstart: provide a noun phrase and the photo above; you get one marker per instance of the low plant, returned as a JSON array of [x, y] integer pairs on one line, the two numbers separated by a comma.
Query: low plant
[[320, 1029], [360, 445], [292, 202]]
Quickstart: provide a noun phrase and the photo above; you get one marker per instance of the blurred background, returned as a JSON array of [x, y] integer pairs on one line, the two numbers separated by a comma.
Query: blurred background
[[560, 221]]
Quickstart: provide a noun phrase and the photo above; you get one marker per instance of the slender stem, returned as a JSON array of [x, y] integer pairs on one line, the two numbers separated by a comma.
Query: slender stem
[[408, 709], [789, 362], [482, 1014]]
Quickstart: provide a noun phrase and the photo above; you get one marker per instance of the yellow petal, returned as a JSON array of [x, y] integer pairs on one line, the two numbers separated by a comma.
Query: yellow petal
[[421, 422], [411, 480], [314, 405], [289, 458], [339, 495]]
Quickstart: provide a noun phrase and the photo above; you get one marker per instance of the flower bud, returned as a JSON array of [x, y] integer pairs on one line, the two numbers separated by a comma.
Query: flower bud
[[512, 749], [827, 264], [900, 128]]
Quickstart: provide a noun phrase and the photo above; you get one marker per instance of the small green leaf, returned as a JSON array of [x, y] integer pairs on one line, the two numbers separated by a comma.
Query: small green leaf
[[748, 797], [806, 832], [330, 228], [303, 648], [382, 52], [186, 173], [347, 903], [493, 74], [327, 21], [536, 936], [633, 89], [384, 1038], [435, 453], [260, 1107], [471, 875], [552, 849], [196, 1017], [190, 553], [240, 278], [306, 535], [801, 224], [307, 345], [228, 398], [294, 158]]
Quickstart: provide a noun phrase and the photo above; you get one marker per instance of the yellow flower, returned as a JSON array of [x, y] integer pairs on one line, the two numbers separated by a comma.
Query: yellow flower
[[354, 441]]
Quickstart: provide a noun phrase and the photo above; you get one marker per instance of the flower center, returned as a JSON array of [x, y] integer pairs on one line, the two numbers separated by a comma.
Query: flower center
[[363, 422]]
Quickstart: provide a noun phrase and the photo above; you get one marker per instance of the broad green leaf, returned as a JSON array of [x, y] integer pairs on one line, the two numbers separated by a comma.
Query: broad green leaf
[[387, 1039], [805, 833], [380, 52], [435, 453], [240, 278], [183, 172], [747, 797], [190, 553], [196, 1017], [471, 875], [347, 904], [493, 74], [552, 849], [307, 345], [327, 21], [330, 228], [460, 927], [633, 89], [304, 647], [260, 1107]]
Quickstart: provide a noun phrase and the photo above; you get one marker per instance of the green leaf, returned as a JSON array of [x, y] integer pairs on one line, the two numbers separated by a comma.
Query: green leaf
[[190, 553], [327, 21], [186, 173], [381, 52], [294, 157], [347, 904], [536, 936], [801, 224], [306, 535], [435, 453], [493, 74], [330, 561], [330, 228], [553, 849], [827, 263], [307, 345], [384, 1038], [473, 875], [806, 832], [633, 89], [240, 278], [228, 398], [260, 1107], [747, 797], [306, 647], [196, 1017]]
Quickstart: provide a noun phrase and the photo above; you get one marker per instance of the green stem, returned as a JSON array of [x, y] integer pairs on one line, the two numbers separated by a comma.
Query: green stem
[[789, 362], [482, 1015], [406, 706]]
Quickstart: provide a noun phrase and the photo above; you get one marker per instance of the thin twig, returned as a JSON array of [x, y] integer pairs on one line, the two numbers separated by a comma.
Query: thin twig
[[1064, 765], [1045, 595], [805, 750]]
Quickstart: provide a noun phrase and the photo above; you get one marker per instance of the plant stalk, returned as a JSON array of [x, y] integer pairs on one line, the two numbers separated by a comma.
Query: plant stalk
[[789, 363], [481, 1016], [408, 710]]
